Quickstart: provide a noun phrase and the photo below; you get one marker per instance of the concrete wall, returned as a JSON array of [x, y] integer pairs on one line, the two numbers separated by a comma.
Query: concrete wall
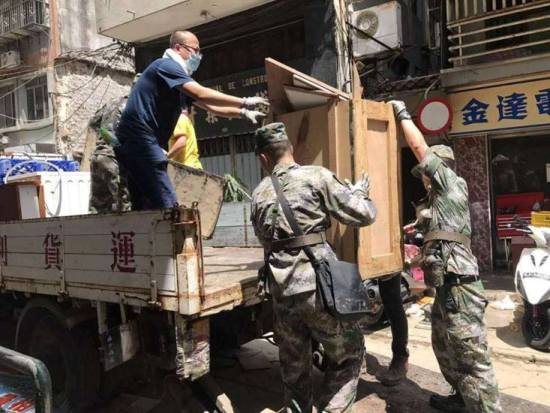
[[78, 96], [77, 26]]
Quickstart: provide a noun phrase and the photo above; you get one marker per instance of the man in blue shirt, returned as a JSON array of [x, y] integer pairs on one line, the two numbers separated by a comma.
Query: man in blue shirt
[[164, 88]]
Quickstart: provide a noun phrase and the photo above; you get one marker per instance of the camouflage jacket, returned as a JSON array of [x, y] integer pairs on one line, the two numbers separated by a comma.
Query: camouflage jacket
[[449, 209], [314, 194], [107, 117]]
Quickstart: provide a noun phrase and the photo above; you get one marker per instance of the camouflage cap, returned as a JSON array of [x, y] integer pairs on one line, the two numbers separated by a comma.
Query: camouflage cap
[[269, 134], [443, 152]]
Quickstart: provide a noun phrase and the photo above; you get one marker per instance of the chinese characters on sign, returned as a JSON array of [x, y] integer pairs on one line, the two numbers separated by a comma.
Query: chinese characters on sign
[[123, 251], [52, 251], [506, 106], [3, 250], [513, 106], [250, 83]]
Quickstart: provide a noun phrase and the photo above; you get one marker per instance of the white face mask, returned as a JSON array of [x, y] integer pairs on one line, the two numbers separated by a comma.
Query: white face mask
[[193, 62]]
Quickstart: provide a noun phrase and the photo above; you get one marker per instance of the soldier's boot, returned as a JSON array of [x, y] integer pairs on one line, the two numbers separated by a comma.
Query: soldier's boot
[[396, 372], [452, 404]]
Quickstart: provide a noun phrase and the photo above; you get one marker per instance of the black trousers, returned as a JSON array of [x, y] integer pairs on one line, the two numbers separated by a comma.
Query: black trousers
[[390, 292]]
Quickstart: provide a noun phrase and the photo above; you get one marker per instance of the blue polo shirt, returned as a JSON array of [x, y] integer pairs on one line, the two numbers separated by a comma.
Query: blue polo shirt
[[154, 106]]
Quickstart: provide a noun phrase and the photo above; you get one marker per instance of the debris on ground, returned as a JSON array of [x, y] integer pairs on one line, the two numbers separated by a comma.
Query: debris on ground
[[505, 304]]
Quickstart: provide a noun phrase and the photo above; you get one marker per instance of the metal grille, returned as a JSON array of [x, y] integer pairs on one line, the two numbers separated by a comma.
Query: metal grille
[[7, 107], [482, 31], [20, 14], [232, 155]]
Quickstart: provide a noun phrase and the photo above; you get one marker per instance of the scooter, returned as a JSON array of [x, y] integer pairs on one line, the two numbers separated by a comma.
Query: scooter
[[532, 279]]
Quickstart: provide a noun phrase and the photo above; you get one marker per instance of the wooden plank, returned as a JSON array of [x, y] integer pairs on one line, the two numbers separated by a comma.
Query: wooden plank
[[377, 152], [300, 98], [313, 148], [342, 237], [279, 75]]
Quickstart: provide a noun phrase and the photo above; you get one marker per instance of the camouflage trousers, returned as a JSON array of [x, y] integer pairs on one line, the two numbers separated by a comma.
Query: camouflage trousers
[[109, 188], [459, 340], [299, 319]]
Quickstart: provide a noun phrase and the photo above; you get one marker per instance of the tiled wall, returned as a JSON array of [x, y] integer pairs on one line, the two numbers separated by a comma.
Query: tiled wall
[[472, 164]]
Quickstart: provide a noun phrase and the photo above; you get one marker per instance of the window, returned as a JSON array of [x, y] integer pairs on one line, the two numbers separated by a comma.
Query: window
[[37, 98], [7, 107]]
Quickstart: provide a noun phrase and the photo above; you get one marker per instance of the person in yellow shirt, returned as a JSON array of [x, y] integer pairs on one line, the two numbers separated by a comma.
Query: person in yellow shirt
[[182, 146]]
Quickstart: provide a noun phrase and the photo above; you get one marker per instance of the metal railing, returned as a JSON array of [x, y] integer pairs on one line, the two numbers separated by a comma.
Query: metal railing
[[481, 31], [19, 15]]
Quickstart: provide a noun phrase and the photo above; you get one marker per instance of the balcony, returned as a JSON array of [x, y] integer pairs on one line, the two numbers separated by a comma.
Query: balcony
[[19, 19], [137, 21], [487, 31]]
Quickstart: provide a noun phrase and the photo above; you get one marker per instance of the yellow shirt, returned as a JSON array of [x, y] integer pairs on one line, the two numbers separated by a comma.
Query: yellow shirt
[[189, 156]]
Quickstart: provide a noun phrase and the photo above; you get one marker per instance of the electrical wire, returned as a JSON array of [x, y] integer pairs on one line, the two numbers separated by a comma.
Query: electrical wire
[[56, 116]]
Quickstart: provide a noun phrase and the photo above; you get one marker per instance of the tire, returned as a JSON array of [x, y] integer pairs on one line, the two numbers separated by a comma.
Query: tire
[[535, 326], [72, 359]]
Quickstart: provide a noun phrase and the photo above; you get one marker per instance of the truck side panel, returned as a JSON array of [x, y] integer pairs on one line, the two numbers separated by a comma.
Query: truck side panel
[[129, 253]]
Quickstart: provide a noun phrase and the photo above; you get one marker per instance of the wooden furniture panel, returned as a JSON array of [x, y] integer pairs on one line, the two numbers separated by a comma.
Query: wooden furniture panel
[[376, 151]]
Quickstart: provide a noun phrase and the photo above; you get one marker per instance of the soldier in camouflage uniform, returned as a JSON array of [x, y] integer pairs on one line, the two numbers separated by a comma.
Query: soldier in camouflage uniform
[[459, 335], [109, 188], [315, 195]]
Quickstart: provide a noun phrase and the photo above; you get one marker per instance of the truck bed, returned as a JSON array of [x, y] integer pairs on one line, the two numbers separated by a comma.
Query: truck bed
[[141, 258], [230, 277]]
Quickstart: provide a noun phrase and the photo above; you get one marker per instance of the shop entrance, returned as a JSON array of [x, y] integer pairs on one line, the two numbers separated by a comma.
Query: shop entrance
[[519, 185]]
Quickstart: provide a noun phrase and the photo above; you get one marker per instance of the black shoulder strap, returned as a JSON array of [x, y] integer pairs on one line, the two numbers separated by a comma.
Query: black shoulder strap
[[289, 215]]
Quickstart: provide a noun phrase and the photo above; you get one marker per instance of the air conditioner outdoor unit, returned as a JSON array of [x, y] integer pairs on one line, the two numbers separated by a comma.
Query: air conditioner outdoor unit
[[382, 22], [10, 59]]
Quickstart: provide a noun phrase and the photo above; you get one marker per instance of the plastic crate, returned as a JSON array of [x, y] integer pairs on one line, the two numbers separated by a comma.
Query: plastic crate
[[540, 219], [28, 166]]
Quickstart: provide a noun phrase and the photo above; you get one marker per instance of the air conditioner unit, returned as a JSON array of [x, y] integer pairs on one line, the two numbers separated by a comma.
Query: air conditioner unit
[[382, 22], [10, 59]]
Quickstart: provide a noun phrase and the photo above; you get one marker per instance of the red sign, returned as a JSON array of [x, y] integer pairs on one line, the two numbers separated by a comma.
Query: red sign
[[434, 116], [123, 252], [52, 251]]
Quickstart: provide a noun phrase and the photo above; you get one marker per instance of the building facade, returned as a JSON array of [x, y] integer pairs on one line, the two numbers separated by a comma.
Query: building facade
[[36, 37], [489, 60]]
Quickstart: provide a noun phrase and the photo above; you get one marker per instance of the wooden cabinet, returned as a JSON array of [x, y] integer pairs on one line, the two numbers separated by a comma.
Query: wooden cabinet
[[347, 136]]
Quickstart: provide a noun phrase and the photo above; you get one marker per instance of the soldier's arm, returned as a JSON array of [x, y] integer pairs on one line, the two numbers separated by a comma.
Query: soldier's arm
[[413, 136], [351, 208]]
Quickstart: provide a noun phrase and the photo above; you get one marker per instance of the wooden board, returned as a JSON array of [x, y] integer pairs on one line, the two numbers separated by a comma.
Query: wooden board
[[325, 142], [301, 98], [377, 151], [280, 75], [200, 188]]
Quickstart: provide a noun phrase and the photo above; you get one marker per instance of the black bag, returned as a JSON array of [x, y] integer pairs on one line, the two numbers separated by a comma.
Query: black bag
[[339, 283]]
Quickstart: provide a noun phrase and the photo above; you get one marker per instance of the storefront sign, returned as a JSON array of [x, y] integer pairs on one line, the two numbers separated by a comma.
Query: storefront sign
[[513, 105], [251, 83]]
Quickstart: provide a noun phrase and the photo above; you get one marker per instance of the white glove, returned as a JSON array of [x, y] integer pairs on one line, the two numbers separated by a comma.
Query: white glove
[[400, 110], [252, 115], [362, 185], [253, 101]]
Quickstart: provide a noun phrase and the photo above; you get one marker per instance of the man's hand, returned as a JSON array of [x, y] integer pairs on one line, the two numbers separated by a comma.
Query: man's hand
[[400, 110], [252, 115], [363, 185], [253, 101]]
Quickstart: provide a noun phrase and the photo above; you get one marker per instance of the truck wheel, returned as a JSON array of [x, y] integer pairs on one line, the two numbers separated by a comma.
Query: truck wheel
[[72, 360], [535, 326]]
